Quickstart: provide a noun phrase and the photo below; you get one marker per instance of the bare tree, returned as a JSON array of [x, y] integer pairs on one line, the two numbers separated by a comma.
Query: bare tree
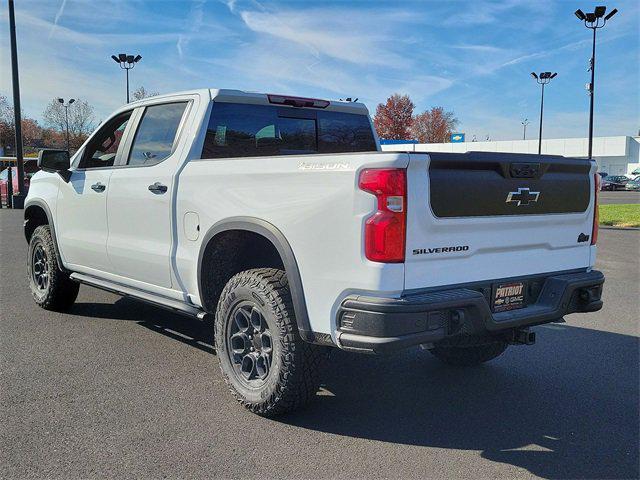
[[141, 93], [80, 120], [6, 124]]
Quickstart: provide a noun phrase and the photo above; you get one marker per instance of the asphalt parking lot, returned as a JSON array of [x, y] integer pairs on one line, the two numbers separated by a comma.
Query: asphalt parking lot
[[118, 389], [621, 196]]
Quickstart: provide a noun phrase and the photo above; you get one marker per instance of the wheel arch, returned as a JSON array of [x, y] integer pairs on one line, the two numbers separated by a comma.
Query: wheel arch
[[284, 250], [37, 213]]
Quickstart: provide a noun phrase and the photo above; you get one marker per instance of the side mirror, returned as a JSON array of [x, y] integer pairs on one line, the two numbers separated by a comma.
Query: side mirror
[[58, 161]]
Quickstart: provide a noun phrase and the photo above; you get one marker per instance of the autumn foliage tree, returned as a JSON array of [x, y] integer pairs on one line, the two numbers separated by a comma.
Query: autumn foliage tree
[[434, 126], [31, 131], [394, 118]]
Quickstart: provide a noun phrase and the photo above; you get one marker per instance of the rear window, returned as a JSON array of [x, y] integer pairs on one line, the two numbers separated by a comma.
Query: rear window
[[241, 130]]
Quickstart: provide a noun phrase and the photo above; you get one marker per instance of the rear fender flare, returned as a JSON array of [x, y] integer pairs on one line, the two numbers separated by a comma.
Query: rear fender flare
[[275, 236]]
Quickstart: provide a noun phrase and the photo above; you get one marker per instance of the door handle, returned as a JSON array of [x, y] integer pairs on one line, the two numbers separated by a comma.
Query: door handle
[[158, 188], [98, 187]]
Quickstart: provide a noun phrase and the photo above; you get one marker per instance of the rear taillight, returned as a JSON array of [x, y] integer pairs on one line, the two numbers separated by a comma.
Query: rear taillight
[[596, 214], [384, 231]]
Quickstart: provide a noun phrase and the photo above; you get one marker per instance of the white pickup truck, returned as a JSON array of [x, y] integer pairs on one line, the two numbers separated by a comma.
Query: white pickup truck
[[280, 218]]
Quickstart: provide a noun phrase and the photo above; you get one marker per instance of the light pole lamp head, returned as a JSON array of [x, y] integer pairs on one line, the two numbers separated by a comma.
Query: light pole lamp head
[[137, 59], [115, 59], [61, 100], [611, 14], [122, 57], [71, 100], [600, 11], [580, 14], [534, 75]]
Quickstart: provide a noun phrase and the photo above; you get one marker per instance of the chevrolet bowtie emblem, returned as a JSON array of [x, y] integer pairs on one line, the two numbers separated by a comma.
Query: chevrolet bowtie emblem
[[523, 196]]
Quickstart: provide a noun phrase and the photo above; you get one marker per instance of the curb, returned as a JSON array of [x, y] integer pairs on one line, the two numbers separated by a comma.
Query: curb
[[608, 227]]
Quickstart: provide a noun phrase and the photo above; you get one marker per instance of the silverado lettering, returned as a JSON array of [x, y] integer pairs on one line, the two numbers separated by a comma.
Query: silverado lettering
[[423, 251]]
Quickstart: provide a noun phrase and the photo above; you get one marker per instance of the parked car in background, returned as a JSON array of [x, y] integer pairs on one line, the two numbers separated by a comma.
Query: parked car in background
[[30, 167], [633, 184], [614, 182]]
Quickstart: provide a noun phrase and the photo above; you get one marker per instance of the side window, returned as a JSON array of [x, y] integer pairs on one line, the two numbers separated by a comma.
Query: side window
[[156, 134], [101, 152]]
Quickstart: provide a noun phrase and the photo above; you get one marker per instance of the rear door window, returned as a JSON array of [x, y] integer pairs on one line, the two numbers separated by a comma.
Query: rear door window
[[243, 130], [156, 134]]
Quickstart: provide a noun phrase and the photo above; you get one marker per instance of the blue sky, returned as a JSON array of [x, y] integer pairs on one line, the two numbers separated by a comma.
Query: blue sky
[[470, 57]]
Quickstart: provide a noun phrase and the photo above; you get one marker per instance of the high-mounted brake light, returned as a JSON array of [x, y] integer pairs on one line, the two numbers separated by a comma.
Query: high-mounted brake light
[[384, 231], [596, 214], [298, 101]]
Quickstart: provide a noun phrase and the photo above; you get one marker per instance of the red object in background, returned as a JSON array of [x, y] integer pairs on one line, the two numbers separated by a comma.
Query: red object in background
[[30, 167]]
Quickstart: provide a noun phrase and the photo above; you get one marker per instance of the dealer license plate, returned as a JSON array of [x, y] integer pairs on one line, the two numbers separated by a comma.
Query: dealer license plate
[[508, 296]]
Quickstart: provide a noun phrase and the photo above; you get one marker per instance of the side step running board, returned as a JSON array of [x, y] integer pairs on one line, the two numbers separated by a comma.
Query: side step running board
[[158, 300]]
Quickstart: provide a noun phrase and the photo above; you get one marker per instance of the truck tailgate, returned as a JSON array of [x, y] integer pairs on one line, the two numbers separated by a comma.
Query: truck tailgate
[[482, 215]]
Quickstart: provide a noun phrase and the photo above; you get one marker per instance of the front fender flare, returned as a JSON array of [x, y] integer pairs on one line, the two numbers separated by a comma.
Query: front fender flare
[[43, 205]]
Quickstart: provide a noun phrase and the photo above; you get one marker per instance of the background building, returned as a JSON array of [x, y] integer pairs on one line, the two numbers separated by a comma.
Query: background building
[[618, 155]]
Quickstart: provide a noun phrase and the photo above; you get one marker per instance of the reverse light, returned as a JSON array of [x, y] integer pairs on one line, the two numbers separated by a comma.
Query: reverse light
[[385, 230], [298, 101], [597, 179]]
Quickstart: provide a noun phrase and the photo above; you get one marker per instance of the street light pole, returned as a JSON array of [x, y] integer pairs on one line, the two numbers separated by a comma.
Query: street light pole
[[594, 21], [542, 79], [66, 115], [16, 201], [126, 62], [525, 122]]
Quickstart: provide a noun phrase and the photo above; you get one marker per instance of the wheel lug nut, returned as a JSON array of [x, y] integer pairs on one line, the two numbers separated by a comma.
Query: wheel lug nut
[[252, 349]]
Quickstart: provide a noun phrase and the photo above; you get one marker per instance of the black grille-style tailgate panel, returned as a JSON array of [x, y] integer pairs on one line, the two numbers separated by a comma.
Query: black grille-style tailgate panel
[[477, 184]]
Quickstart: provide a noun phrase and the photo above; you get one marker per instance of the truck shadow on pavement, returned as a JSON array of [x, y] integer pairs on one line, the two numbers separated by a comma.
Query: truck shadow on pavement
[[566, 407]]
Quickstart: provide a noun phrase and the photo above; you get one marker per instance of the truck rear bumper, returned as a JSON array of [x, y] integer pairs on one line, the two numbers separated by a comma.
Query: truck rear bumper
[[379, 325]]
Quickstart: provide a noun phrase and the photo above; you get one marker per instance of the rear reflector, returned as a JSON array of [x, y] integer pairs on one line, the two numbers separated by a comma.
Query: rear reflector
[[384, 231], [597, 179], [298, 101]]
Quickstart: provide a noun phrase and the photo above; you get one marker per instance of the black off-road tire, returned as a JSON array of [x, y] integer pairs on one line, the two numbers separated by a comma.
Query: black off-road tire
[[292, 378], [469, 351], [58, 292]]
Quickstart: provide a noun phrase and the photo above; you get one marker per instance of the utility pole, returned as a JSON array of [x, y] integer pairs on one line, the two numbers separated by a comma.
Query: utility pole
[[66, 115], [525, 122], [17, 200], [126, 62], [594, 21], [542, 79]]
